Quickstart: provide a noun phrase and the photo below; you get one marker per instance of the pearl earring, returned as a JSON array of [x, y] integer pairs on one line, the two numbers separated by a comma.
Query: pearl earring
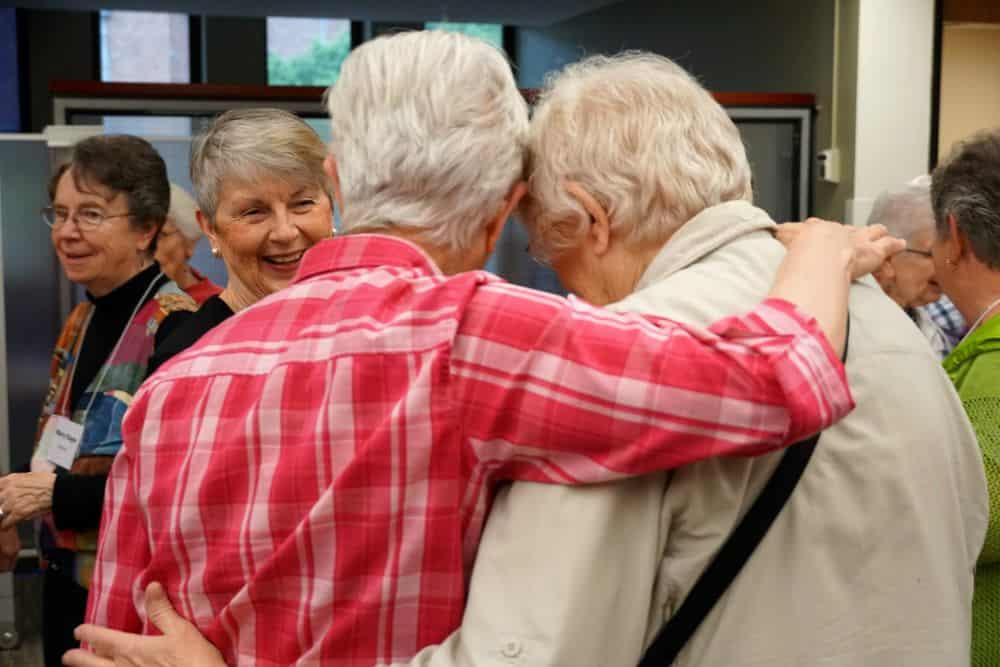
[[215, 251]]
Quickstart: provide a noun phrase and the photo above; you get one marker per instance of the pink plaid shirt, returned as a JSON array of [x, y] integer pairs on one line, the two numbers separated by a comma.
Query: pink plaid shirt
[[310, 480]]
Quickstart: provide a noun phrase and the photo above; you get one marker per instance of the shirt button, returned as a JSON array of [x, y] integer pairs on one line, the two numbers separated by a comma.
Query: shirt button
[[512, 648]]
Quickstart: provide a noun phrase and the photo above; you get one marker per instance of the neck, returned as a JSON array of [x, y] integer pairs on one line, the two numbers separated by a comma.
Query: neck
[[630, 265], [237, 297], [185, 278], [448, 261], [101, 288], [975, 294]]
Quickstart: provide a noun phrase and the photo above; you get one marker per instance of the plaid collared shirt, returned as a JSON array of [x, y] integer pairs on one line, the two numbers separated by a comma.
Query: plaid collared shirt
[[949, 322], [309, 482]]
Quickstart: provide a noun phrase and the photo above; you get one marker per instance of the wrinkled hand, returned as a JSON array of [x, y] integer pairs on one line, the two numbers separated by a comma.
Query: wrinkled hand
[[181, 645], [25, 495], [10, 547], [872, 245]]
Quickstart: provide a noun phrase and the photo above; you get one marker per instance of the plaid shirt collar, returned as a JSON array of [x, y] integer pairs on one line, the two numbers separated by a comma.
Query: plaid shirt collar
[[360, 251]]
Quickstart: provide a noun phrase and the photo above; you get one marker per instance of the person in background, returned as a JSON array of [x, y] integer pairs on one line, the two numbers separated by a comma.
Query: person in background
[[108, 204], [263, 200], [909, 277], [175, 245], [346, 432], [966, 252]]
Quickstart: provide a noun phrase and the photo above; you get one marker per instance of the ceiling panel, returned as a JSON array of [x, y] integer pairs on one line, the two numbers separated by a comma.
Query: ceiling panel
[[511, 12]]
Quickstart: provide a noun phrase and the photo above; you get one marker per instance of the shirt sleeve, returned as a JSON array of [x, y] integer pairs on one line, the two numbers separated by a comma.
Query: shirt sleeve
[[77, 501], [558, 391], [123, 550], [567, 586]]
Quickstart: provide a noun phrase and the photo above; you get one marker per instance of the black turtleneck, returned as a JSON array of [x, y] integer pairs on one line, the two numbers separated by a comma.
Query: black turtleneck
[[77, 500]]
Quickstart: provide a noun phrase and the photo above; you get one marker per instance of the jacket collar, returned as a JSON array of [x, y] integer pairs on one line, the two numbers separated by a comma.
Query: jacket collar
[[713, 228], [359, 251]]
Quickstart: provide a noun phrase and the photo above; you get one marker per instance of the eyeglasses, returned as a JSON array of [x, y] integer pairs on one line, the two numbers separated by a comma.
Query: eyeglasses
[[924, 253], [87, 218]]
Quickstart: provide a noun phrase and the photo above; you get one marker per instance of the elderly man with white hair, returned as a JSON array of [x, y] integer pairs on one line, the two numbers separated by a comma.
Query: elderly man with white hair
[[909, 277], [310, 480], [175, 245]]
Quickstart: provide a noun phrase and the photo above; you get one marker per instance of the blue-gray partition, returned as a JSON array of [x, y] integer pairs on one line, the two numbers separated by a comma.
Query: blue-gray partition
[[30, 319]]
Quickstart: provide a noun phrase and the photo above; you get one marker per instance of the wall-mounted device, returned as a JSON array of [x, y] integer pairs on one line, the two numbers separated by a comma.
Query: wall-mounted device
[[828, 165]]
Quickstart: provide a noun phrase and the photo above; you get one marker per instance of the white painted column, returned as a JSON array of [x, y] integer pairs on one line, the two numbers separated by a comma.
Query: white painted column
[[895, 72]]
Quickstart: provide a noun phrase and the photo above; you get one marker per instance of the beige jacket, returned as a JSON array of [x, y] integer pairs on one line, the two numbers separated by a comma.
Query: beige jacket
[[870, 563]]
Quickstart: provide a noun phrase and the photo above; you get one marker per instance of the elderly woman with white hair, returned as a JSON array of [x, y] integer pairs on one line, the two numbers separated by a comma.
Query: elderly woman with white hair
[[263, 200], [175, 245], [909, 278]]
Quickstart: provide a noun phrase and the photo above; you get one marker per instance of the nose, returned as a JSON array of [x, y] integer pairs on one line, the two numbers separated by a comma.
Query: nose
[[284, 230], [68, 230]]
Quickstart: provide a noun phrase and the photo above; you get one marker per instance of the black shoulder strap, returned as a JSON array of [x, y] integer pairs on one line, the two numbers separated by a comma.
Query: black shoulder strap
[[735, 552]]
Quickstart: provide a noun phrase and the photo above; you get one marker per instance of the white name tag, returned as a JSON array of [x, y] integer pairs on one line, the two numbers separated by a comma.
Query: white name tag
[[61, 440]]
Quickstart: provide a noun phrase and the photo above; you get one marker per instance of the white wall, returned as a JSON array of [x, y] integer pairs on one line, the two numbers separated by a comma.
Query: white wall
[[893, 116], [970, 81]]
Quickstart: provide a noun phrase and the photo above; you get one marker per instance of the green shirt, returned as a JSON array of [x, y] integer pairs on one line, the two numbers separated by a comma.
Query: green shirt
[[974, 367]]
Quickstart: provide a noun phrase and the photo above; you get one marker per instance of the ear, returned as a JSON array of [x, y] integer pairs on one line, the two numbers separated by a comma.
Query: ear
[[957, 245], [886, 274], [206, 227], [146, 238], [330, 167], [495, 226], [600, 225]]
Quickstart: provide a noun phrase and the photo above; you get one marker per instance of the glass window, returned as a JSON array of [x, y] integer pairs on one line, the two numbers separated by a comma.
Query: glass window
[[147, 47], [490, 32], [306, 51]]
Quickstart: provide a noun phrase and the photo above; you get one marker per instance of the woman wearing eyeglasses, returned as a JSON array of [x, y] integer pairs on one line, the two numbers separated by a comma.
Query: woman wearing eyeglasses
[[910, 278], [108, 204]]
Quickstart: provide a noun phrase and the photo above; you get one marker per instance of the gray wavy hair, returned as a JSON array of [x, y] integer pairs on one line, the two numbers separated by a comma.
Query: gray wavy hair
[[905, 211], [967, 186], [643, 137], [428, 133]]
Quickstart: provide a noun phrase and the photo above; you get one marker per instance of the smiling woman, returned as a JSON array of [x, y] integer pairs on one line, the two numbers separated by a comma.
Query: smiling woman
[[107, 205], [264, 198]]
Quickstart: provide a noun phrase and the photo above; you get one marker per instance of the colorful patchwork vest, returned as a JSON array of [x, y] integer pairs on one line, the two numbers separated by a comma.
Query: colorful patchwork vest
[[119, 379]]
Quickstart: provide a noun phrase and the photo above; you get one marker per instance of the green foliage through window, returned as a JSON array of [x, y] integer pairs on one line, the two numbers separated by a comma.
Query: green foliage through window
[[320, 66], [490, 32]]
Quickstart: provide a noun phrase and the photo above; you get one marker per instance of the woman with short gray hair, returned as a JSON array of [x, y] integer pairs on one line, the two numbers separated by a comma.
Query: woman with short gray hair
[[263, 199], [966, 197]]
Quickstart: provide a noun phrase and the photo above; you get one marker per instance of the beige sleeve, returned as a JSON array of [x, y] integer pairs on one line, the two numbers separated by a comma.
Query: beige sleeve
[[563, 577]]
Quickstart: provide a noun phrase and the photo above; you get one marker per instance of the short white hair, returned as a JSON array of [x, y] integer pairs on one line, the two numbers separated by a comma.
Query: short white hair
[[643, 137], [250, 145], [428, 134], [905, 211], [182, 213]]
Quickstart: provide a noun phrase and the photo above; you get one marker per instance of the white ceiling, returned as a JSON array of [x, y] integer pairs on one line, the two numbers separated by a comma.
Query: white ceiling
[[511, 12]]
